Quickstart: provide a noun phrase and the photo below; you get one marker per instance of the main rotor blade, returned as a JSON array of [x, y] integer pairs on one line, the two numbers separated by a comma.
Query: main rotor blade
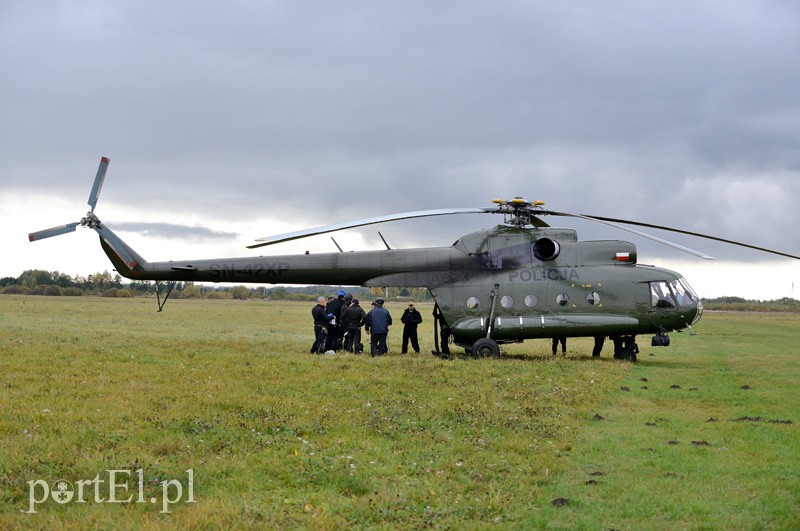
[[98, 182], [609, 221], [649, 236], [270, 240], [55, 231]]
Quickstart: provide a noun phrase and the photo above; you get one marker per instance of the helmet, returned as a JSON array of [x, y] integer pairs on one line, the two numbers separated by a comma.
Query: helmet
[[341, 293]]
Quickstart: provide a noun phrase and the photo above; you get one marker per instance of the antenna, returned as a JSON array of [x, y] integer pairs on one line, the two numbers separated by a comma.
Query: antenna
[[384, 241]]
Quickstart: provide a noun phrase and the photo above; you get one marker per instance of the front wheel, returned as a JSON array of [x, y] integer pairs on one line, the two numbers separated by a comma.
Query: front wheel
[[485, 348]]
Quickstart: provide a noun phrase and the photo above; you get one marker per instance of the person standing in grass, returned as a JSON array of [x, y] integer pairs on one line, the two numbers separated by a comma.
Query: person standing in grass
[[598, 345], [353, 318], [335, 331], [321, 321], [411, 319], [563, 341], [377, 326], [439, 320]]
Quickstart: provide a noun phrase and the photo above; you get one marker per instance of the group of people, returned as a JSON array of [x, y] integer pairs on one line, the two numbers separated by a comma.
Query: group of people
[[338, 322]]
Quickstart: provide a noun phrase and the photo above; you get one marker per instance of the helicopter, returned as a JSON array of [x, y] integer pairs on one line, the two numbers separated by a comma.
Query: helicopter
[[522, 279]]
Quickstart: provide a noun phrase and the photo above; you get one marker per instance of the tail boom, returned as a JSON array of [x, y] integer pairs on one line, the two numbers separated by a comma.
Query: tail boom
[[127, 262]]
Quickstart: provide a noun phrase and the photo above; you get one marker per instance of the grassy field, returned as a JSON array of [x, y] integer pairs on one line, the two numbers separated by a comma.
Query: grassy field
[[213, 414]]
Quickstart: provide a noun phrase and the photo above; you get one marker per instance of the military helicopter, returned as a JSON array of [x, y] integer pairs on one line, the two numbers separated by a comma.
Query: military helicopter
[[522, 279]]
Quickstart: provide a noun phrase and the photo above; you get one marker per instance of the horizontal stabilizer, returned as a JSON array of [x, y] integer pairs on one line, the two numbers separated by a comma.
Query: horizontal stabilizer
[[183, 268]]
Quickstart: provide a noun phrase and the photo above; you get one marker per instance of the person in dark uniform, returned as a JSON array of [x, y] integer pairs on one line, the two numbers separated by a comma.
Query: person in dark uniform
[[438, 316], [410, 319], [563, 341], [353, 318], [334, 329], [598, 345], [377, 325], [321, 320]]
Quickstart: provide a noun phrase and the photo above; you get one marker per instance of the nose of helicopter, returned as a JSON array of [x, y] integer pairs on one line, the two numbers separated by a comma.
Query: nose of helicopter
[[694, 313], [699, 312]]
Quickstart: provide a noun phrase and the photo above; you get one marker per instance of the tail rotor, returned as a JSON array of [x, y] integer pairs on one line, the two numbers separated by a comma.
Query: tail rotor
[[90, 220]]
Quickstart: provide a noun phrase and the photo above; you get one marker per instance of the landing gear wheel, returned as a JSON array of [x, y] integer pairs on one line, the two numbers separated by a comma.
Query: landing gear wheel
[[625, 348], [485, 348]]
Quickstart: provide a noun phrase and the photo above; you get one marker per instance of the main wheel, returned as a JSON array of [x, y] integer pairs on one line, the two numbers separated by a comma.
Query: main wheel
[[625, 348], [485, 348]]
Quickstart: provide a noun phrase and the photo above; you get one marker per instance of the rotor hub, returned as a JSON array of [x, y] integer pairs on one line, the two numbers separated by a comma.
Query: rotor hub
[[518, 212], [90, 220]]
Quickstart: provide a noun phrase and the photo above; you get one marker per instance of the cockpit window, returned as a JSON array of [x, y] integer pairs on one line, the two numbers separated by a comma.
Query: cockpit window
[[683, 293], [689, 290], [660, 295]]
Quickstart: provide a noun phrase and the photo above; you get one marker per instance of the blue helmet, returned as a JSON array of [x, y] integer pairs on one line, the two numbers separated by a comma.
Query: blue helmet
[[341, 293]]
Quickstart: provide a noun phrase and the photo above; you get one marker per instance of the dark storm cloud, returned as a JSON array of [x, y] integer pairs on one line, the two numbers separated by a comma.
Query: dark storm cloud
[[680, 113], [174, 231]]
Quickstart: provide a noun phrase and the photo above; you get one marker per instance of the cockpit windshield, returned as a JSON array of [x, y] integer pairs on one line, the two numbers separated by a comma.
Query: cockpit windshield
[[671, 294], [660, 295], [683, 292]]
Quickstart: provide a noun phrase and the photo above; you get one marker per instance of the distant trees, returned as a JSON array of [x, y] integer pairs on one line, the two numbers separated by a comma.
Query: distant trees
[[190, 291], [36, 277], [239, 292], [55, 283], [739, 304], [104, 280]]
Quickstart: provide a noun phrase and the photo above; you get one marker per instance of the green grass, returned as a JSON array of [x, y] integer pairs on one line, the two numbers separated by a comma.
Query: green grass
[[709, 440], [278, 437]]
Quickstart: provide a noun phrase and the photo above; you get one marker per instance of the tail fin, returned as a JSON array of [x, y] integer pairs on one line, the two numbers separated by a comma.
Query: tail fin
[[127, 262]]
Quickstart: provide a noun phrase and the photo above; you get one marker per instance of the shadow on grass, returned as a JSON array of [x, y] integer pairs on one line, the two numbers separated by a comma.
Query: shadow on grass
[[521, 357], [645, 359], [468, 357]]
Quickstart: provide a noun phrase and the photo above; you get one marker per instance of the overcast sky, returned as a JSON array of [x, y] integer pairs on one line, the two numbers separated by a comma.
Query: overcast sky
[[229, 121]]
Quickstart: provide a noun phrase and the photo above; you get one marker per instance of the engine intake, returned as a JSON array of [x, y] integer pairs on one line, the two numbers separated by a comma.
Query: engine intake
[[546, 249]]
